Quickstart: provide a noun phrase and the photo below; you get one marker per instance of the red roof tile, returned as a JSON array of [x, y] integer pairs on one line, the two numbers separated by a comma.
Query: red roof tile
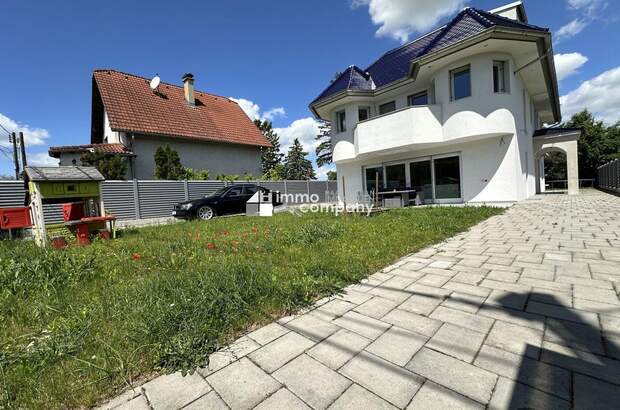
[[107, 148], [132, 106]]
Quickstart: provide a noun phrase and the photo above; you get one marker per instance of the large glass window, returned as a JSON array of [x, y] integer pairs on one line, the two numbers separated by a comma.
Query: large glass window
[[460, 83], [372, 174], [422, 179], [341, 121], [447, 178], [395, 176], [418, 99], [387, 107], [500, 77]]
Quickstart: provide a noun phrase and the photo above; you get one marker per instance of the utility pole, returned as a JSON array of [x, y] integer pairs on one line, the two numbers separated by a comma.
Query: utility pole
[[22, 145], [15, 158]]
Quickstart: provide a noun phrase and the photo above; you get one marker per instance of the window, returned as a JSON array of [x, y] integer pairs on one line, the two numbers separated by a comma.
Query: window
[[395, 176], [418, 99], [372, 177], [250, 189], [447, 178], [341, 121], [422, 178], [500, 77], [235, 191], [387, 107], [460, 83], [363, 113]]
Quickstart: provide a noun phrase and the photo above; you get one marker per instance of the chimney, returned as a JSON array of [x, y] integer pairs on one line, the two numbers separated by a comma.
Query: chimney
[[188, 87]]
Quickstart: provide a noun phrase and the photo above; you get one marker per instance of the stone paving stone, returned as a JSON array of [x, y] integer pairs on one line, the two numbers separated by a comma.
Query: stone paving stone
[[174, 390], [441, 264], [468, 277], [235, 351], [361, 324], [406, 273], [457, 341], [413, 322], [505, 299], [123, 399], [552, 297], [414, 266], [337, 307], [268, 333], [581, 362], [509, 394], [539, 283], [596, 307], [270, 357], [468, 289], [611, 325], [458, 317], [516, 339], [433, 280], [208, 401], [355, 297], [388, 381], [376, 307], [421, 304], [242, 384], [357, 397], [312, 327], [314, 383], [393, 289], [580, 336], [397, 345], [463, 301], [433, 396], [510, 287], [537, 274], [564, 313], [503, 276], [603, 267], [137, 403], [464, 378], [542, 376], [612, 346], [339, 348], [577, 269], [595, 394], [282, 400], [595, 283], [501, 260]]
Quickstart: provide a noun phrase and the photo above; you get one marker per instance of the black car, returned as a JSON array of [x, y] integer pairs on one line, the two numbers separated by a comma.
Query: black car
[[226, 200]]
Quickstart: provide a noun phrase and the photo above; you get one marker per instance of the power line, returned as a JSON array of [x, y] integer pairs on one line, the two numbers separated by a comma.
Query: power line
[[2, 126]]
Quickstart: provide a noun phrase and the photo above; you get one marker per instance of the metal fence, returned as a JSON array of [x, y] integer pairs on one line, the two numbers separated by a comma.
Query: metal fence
[[609, 176], [142, 199]]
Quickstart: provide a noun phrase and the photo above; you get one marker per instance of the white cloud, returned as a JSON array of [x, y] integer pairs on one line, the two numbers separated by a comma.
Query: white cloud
[[42, 159], [587, 5], [600, 95], [568, 64], [305, 129], [571, 29], [253, 110], [399, 19], [321, 172], [32, 136]]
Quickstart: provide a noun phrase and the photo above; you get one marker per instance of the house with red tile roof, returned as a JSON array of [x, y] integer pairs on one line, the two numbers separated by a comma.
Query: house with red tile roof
[[130, 118]]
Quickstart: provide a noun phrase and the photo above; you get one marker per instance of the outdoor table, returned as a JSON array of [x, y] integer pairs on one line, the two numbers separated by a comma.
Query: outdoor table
[[403, 193]]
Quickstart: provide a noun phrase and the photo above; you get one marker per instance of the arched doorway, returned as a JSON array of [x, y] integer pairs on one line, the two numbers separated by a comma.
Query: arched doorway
[[547, 144], [552, 170]]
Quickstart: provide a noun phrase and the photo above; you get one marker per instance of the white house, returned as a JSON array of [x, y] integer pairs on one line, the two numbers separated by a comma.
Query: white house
[[453, 114]]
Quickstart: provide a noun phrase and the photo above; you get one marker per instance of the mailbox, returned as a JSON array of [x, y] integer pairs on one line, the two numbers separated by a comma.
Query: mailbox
[[15, 218]]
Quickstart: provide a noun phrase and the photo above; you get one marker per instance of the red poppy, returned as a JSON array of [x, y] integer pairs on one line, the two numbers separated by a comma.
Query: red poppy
[[254, 229], [225, 233], [136, 256], [210, 245]]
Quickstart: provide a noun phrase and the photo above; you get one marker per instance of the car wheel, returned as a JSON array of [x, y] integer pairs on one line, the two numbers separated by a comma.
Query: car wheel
[[205, 213]]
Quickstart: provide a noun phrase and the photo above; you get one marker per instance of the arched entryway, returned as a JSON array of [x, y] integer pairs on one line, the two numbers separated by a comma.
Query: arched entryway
[[553, 140], [552, 170]]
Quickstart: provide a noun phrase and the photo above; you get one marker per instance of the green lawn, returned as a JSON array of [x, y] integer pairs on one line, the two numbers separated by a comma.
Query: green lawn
[[80, 324]]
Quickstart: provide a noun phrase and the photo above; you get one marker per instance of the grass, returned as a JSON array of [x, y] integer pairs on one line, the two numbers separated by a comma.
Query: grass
[[80, 324]]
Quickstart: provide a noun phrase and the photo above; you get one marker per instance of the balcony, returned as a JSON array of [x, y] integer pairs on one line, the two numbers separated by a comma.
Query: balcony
[[420, 127]]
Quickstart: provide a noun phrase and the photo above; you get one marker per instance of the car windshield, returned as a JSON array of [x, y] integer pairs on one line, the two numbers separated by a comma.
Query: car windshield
[[218, 192]]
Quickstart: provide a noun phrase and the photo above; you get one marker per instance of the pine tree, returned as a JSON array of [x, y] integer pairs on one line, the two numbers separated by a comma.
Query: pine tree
[[168, 164], [296, 164], [324, 150], [271, 157]]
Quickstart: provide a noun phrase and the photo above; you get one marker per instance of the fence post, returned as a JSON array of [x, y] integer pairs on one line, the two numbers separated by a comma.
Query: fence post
[[285, 189], [308, 188], [327, 194], [136, 199], [186, 189]]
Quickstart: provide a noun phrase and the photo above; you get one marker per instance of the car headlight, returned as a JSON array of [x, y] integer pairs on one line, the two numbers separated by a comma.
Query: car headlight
[[186, 207]]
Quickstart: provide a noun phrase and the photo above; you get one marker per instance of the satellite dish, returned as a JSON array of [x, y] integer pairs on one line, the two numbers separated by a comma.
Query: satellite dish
[[155, 82]]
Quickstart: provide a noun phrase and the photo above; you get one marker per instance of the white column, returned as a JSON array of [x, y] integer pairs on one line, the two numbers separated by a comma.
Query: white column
[[541, 174], [572, 167]]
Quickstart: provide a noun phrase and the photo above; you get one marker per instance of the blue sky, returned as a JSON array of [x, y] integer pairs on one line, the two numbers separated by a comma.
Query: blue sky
[[275, 56]]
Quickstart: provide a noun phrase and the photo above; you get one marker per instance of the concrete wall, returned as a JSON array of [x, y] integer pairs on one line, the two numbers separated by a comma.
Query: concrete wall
[[218, 158]]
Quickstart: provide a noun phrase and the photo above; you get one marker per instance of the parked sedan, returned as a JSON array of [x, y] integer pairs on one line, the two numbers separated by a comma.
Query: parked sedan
[[226, 200]]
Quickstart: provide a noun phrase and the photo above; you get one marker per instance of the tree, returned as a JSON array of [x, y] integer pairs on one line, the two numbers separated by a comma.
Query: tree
[[270, 156], [598, 143], [111, 166], [324, 150], [332, 176], [277, 173], [168, 164], [296, 164]]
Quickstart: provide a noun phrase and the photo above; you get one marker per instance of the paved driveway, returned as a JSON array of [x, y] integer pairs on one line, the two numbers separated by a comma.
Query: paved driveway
[[520, 311]]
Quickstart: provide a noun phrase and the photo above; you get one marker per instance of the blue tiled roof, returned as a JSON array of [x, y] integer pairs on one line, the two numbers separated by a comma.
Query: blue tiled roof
[[394, 65]]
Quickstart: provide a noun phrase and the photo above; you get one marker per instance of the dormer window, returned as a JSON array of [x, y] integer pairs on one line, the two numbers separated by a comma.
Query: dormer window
[[341, 121], [500, 77]]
